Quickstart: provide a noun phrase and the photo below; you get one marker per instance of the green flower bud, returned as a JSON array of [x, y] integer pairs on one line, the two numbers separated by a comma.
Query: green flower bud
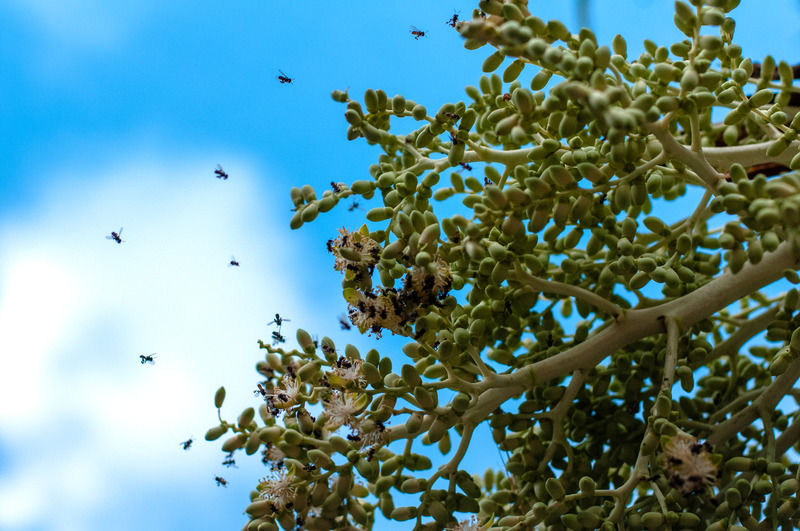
[[215, 433], [219, 397], [554, 488]]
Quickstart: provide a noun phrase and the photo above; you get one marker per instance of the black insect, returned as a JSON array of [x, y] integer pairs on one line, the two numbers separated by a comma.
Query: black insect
[[354, 205], [283, 78], [417, 33], [454, 140], [220, 173], [353, 437], [310, 467], [696, 448], [116, 236], [278, 321], [221, 482], [229, 461], [452, 21], [233, 263], [187, 443], [336, 188], [380, 425], [147, 358], [343, 323], [277, 338], [260, 391], [465, 166]]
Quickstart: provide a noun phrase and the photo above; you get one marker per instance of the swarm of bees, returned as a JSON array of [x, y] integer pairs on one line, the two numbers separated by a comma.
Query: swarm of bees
[[147, 358], [116, 236], [283, 78]]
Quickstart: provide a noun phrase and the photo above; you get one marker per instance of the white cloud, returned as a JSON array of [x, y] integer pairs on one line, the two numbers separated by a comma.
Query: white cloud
[[81, 416]]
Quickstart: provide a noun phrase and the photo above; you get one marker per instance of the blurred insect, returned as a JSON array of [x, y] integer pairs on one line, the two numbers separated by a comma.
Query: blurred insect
[[116, 236], [354, 205], [221, 481], [315, 340], [353, 437], [453, 116], [371, 453], [482, 14], [260, 391], [187, 443], [465, 166], [278, 320], [220, 173], [343, 323], [454, 140], [452, 21], [233, 262], [283, 78], [229, 461], [277, 338], [149, 358], [506, 96], [336, 187], [417, 33]]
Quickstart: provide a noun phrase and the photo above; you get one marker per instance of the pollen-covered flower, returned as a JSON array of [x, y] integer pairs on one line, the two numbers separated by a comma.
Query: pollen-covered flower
[[347, 371], [466, 525], [689, 464], [434, 279], [273, 456], [353, 250], [342, 407], [285, 396], [278, 489]]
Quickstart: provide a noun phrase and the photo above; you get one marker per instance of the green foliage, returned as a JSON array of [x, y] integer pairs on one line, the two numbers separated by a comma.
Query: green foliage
[[581, 212]]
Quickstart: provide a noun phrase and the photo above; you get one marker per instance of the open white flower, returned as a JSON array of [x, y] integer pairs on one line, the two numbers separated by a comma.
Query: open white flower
[[278, 489], [342, 407]]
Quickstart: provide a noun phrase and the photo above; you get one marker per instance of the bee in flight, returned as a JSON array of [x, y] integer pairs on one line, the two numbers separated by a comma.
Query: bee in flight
[[277, 338], [187, 443], [417, 33], [354, 205], [278, 320], [343, 323], [147, 358], [229, 461], [452, 21], [465, 166], [221, 481], [283, 78], [220, 173], [116, 236], [233, 262]]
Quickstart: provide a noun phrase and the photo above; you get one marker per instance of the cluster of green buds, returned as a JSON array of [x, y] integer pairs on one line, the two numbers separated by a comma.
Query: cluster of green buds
[[588, 157]]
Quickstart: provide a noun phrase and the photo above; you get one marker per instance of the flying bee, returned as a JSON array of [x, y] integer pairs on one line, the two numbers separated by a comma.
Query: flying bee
[[465, 166], [260, 391], [278, 321], [283, 78], [147, 358], [452, 21], [354, 205], [229, 461], [234, 262], [454, 140], [343, 323], [220, 173], [336, 187], [417, 33], [277, 338], [187, 443], [221, 481], [353, 437], [116, 236]]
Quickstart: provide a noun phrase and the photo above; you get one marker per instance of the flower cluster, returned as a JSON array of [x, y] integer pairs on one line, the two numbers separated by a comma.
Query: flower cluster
[[278, 489], [689, 464]]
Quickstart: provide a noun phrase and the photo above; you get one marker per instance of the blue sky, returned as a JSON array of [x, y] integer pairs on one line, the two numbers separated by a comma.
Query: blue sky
[[115, 114]]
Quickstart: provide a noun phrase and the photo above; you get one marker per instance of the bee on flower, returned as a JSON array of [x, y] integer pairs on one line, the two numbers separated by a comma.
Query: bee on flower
[[285, 395], [691, 467], [347, 371], [278, 489]]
